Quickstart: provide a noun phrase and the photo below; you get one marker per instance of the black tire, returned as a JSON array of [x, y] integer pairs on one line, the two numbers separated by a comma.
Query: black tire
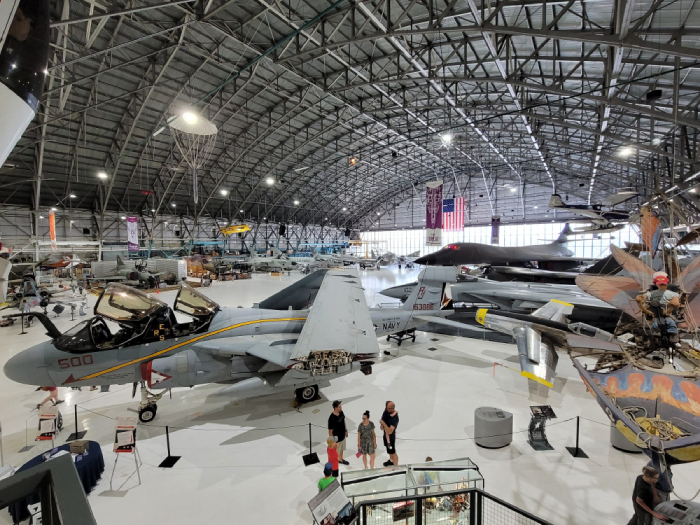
[[306, 394], [147, 414], [388, 337], [399, 343]]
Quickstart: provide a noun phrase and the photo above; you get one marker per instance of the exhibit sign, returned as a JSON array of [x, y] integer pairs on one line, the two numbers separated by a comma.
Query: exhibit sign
[[125, 434], [331, 506], [52, 229], [132, 233], [495, 227], [433, 213], [48, 423]]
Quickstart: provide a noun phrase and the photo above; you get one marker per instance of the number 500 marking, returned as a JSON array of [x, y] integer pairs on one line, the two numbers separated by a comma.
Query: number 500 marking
[[75, 361]]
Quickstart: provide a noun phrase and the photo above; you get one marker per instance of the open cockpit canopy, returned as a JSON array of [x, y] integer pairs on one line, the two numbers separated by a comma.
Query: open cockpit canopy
[[142, 319], [192, 303], [122, 303]]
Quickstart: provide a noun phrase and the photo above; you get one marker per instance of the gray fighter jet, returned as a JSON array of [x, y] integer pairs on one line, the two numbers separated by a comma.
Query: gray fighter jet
[[538, 335], [252, 350], [138, 274], [525, 298], [475, 253]]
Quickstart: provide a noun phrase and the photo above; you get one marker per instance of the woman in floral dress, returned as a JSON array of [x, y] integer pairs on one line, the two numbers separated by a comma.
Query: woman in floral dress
[[366, 440]]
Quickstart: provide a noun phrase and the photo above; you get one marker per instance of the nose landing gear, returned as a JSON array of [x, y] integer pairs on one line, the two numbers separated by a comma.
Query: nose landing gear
[[149, 404]]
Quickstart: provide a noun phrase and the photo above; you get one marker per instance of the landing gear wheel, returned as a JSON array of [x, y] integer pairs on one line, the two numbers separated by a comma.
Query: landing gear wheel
[[306, 394], [388, 337], [399, 342], [147, 414]]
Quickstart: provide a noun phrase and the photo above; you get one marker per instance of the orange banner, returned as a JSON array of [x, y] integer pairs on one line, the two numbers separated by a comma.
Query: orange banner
[[52, 229]]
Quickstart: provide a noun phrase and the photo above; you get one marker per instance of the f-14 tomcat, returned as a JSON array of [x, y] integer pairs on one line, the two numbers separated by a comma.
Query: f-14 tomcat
[[253, 350]]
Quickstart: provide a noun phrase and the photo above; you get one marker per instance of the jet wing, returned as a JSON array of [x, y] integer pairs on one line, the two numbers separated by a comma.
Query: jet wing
[[339, 320], [111, 278], [538, 358], [554, 310], [449, 322]]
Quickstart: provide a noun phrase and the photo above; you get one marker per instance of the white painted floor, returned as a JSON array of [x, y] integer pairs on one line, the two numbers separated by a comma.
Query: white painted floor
[[239, 465]]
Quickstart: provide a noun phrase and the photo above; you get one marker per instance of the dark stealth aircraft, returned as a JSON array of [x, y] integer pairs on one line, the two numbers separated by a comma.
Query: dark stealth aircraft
[[474, 253]]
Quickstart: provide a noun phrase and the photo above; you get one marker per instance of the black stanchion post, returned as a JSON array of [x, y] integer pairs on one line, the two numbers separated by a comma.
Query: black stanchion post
[[170, 461], [77, 434], [576, 451], [311, 458]]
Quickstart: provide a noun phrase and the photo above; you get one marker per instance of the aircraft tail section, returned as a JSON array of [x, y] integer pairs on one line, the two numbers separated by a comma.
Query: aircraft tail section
[[564, 235], [429, 293], [555, 201], [120, 263]]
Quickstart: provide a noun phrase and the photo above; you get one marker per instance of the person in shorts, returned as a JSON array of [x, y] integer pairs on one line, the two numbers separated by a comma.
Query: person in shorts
[[337, 429], [388, 424]]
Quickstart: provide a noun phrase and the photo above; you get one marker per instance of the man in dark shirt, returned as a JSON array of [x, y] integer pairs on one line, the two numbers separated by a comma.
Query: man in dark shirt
[[388, 423], [645, 497], [337, 429]]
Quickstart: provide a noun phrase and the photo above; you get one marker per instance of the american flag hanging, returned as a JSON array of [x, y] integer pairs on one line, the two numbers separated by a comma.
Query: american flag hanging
[[453, 214]]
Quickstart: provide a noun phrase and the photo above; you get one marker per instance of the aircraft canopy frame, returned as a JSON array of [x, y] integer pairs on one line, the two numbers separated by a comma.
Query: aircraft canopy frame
[[121, 303]]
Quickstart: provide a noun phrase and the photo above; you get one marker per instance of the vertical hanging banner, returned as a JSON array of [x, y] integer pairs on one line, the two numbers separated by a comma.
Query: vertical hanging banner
[[495, 227], [132, 233], [433, 213], [453, 214], [52, 229]]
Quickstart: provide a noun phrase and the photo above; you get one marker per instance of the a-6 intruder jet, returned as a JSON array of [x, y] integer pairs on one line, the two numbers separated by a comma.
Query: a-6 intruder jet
[[253, 350]]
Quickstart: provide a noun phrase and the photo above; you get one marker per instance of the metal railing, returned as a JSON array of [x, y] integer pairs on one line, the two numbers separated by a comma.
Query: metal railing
[[457, 507]]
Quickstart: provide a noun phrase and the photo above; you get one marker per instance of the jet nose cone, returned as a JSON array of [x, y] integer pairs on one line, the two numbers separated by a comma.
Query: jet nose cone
[[427, 260], [28, 367]]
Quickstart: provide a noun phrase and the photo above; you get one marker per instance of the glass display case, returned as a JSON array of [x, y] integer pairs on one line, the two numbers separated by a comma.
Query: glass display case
[[411, 480]]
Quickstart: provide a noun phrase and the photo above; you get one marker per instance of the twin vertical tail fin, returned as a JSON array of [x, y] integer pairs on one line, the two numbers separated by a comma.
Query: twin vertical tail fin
[[564, 235], [429, 293]]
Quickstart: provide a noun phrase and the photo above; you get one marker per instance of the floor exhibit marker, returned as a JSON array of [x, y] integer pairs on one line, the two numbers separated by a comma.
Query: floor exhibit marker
[[77, 434], [576, 451], [170, 461]]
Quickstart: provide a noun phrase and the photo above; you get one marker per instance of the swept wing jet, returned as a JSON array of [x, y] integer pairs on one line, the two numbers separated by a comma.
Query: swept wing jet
[[254, 351], [538, 335], [525, 298], [460, 253], [138, 273]]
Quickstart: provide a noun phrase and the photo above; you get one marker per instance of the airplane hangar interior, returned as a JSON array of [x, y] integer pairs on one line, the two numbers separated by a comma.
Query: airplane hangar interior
[[369, 262]]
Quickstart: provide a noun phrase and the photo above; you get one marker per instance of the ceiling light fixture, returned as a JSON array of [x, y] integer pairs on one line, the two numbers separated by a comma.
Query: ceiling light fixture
[[54, 209], [72, 195], [123, 218], [296, 203], [102, 175], [626, 152], [345, 209], [513, 190], [153, 210], [173, 204], [446, 138], [224, 192], [353, 160], [189, 117], [270, 181]]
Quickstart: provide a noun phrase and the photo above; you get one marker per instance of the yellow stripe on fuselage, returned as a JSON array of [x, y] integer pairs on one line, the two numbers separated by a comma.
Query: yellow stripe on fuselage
[[561, 302], [532, 376], [184, 343]]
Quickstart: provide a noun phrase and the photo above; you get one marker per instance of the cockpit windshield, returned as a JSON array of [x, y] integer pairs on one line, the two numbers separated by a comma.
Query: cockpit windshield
[[124, 303], [193, 303]]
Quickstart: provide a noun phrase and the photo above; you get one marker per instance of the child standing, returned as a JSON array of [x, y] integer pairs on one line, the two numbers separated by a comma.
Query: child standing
[[333, 455]]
